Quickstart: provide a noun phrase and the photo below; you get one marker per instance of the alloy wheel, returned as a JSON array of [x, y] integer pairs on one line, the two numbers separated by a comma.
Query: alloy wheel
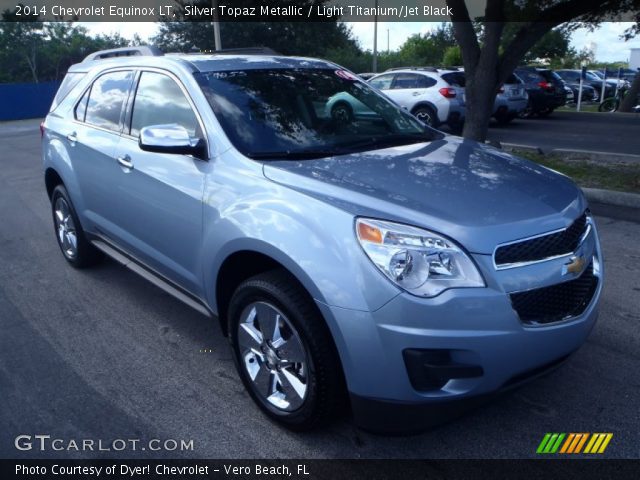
[[273, 356]]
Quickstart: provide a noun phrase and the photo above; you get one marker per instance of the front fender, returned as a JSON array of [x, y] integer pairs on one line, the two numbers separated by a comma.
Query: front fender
[[313, 240]]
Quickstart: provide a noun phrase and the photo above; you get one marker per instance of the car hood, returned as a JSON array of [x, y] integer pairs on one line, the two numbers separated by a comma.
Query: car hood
[[471, 192]]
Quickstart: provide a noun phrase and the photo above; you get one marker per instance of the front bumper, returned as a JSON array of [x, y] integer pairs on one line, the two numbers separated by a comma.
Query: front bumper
[[477, 329]]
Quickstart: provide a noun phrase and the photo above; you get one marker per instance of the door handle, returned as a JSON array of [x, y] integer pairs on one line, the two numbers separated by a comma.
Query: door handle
[[415, 94], [125, 162], [72, 138]]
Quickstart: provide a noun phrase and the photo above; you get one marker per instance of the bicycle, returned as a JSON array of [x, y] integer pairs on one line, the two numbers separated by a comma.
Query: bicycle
[[611, 104]]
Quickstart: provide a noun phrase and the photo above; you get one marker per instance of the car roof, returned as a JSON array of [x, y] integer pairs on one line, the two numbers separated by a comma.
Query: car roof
[[200, 62]]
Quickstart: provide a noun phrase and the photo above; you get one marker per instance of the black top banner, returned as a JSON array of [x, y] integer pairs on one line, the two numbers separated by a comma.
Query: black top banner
[[321, 10]]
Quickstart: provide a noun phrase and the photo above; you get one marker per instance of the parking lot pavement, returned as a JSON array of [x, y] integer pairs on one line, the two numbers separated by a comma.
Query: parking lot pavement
[[595, 132], [102, 354]]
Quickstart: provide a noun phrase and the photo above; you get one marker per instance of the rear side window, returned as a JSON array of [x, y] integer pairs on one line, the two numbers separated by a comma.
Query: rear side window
[[81, 108], [456, 79], [406, 80], [160, 101], [106, 99], [383, 82], [70, 81], [529, 76]]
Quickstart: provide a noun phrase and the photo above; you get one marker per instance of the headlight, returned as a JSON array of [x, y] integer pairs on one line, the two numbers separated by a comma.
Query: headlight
[[421, 262]]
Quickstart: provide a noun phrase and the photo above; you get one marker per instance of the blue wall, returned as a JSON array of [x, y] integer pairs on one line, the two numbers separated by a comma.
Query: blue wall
[[26, 100]]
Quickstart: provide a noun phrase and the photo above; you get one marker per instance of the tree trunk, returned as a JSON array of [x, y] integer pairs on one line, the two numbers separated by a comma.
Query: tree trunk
[[631, 99], [480, 93]]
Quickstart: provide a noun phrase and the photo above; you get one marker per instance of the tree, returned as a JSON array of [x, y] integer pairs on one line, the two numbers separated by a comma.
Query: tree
[[183, 33], [452, 57], [488, 59], [426, 49]]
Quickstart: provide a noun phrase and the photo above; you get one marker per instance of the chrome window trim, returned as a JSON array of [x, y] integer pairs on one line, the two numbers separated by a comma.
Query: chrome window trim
[[186, 93], [507, 266]]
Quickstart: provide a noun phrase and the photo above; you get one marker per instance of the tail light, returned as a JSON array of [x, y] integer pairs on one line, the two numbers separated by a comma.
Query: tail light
[[501, 89], [41, 129], [448, 92], [545, 85]]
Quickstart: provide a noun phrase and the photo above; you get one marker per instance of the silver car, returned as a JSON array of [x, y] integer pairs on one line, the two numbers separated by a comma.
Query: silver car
[[369, 261]]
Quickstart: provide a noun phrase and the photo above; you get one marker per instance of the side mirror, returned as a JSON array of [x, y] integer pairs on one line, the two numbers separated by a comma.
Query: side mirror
[[170, 138]]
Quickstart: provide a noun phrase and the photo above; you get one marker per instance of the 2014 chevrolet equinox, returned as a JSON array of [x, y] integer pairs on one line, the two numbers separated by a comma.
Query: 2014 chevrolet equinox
[[366, 255]]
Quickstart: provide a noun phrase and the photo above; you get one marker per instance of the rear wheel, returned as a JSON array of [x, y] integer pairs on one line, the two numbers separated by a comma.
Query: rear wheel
[[609, 105], [284, 352], [342, 112], [426, 115], [71, 238]]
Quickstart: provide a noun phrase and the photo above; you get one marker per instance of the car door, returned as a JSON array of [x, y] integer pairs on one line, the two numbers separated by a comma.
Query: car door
[[92, 138], [405, 89], [159, 195]]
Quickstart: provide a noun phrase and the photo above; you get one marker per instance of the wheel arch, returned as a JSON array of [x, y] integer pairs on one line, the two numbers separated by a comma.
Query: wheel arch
[[243, 263], [51, 180]]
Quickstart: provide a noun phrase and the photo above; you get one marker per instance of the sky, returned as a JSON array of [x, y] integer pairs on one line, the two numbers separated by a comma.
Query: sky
[[608, 46]]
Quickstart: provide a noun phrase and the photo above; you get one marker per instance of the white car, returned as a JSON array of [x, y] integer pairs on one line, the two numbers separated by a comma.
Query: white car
[[425, 94]]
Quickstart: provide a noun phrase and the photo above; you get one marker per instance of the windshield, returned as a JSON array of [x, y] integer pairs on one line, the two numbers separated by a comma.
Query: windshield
[[306, 113]]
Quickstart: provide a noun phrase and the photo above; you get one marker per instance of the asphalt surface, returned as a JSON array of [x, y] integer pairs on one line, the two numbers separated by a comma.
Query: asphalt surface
[[102, 354], [594, 132]]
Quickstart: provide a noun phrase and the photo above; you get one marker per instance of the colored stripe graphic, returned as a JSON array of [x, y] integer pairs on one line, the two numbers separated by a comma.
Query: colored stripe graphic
[[550, 443], [574, 443]]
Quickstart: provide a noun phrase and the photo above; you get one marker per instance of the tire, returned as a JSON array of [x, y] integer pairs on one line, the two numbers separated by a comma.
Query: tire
[[527, 112], [70, 236], [609, 105], [288, 363], [426, 115], [503, 119], [342, 113]]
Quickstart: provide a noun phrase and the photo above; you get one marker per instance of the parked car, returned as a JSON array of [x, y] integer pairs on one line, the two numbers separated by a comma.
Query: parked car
[[367, 75], [573, 76], [546, 91], [424, 93], [510, 101], [589, 94], [611, 79], [378, 260]]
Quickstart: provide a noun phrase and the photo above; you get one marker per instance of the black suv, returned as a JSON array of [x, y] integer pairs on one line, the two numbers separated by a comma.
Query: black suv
[[545, 88]]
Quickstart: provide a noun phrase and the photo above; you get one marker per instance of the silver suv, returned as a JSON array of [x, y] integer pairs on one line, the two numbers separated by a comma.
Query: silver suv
[[364, 259]]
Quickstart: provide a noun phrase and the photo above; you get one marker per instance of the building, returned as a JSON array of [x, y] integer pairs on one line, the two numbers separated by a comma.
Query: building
[[634, 59]]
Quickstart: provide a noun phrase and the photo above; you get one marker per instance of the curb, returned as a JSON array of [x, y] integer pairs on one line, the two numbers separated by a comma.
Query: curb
[[572, 154], [611, 197]]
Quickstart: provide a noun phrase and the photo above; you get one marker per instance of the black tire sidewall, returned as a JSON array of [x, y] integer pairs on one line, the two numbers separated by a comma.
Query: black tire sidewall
[[246, 294]]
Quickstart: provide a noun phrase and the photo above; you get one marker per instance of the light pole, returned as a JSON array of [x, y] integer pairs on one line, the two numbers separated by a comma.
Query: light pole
[[375, 39], [216, 25]]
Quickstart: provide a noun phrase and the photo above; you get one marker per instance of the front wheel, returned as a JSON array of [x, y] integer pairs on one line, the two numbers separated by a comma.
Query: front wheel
[[284, 352], [610, 105]]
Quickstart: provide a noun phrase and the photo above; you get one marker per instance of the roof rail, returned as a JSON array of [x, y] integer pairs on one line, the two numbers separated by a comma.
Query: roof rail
[[145, 50], [424, 69], [241, 51]]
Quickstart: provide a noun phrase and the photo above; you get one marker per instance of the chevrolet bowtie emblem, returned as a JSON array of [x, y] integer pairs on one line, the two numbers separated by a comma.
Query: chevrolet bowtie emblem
[[576, 265]]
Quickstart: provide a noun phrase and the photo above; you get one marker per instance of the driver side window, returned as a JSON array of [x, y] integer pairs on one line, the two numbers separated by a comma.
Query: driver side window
[[159, 101]]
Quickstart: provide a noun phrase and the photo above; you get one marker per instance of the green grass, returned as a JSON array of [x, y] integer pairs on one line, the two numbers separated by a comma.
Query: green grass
[[614, 176], [585, 107]]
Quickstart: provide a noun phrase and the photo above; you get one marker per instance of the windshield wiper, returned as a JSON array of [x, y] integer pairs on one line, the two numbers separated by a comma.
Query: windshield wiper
[[386, 141], [294, 154]]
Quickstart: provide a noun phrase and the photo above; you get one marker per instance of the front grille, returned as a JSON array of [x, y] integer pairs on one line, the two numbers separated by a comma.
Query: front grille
[[546, 246], [557, 302]]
